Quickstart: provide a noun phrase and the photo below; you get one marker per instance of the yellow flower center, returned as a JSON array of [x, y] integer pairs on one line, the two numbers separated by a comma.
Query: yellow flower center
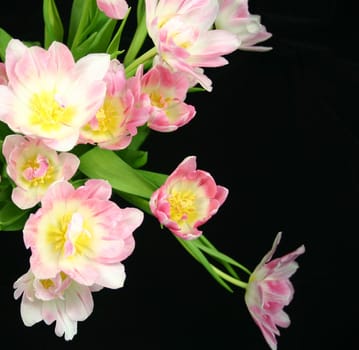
[[182, 206], [158, 100], [70, 235], [48, 113], [107, 122], [38, 171], [47, 283]]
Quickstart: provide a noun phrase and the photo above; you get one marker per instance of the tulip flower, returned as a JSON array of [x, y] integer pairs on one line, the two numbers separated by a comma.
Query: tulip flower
[[34, 167], [49, 95], [59, 299], [115, 9], [125, 108], [269, 290], [82, 233], [167, 91], [187, 199], [183, 34], [234, 16]]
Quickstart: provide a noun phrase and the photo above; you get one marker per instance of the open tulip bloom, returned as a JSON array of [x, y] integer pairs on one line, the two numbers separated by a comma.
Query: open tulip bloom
[[74, 113]]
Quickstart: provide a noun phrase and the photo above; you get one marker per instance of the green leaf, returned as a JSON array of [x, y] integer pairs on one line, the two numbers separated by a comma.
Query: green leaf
[[98, 41], [157, 179], [105, 164], [4, 130], [196, 89], [11, 217], [139, 202], [82, 11], [141, 136], [103, 36], [135, 158], [4, 40], [5, 190], [54, 30], [81, 148], [84, 48]]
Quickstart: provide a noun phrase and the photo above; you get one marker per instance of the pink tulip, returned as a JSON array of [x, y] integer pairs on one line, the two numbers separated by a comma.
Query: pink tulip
[[183, 34], [187, 199], [269, 290], [82, 233], [34, 167], [234, 16], [115, 9], [125, 108], [59, 299], [48, 94], [167, 91]]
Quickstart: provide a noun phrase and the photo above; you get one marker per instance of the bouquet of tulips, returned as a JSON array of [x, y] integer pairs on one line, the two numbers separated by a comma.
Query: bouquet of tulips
[[75, 111]]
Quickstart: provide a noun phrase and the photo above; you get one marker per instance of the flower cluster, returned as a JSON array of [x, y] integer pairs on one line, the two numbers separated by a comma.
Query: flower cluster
[[74, 113]]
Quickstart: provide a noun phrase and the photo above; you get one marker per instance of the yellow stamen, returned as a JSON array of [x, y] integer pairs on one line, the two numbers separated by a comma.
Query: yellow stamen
[[57, 237], [158, 100], [36, 181], [183, 207], [47, 283], [48, 113], [108, 120]]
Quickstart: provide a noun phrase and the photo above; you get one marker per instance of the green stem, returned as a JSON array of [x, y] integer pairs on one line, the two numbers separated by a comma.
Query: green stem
[[207, 243], [137, 40], [131, 68], [229, 278]]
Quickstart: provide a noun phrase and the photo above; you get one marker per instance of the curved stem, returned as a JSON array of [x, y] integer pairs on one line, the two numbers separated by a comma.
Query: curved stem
[[131, 68], [237, 282]]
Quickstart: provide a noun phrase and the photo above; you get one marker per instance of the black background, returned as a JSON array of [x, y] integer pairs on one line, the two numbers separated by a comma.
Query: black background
[[272, 132]]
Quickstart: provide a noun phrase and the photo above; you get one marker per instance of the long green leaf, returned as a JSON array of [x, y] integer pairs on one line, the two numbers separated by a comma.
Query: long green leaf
[[157, 179], [4, 130], [141, 136], [12, 217], [135, 158], [139, 202], [105, 164], [82, 12], [96, 42], [54, 30]]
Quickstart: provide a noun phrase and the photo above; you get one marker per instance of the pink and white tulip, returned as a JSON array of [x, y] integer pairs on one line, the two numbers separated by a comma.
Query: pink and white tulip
[[115, 9], [167, 91], [34, 167], [234, 16], [82, 233], [269, 290], [188, 198], [125, 108], [183, 34], [49, 95], [59, 299]]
